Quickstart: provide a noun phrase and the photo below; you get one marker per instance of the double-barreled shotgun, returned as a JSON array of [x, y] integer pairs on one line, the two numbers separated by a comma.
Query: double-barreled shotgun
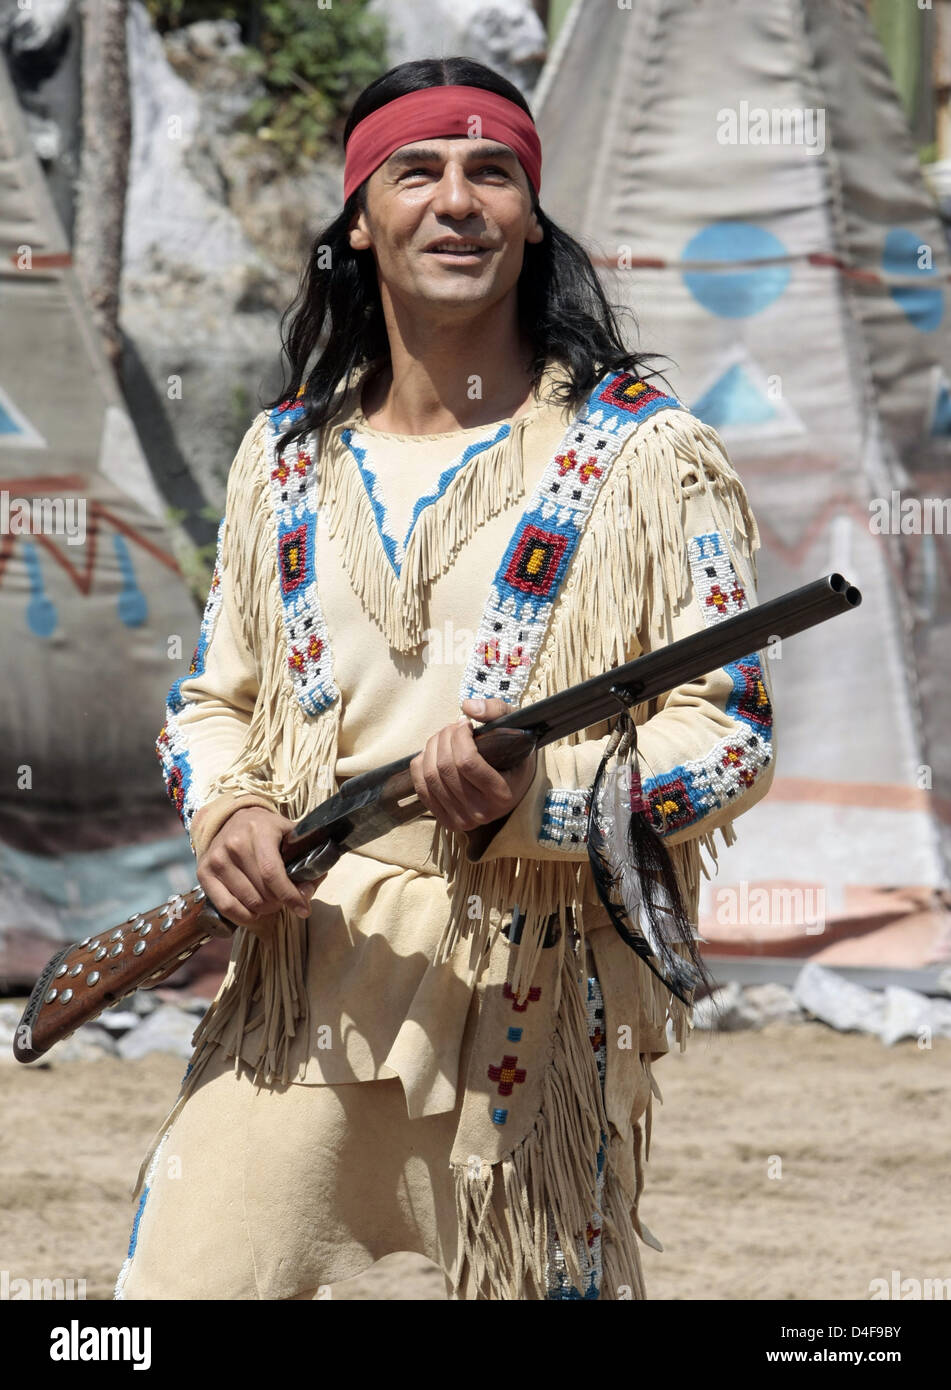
[[89, 976]]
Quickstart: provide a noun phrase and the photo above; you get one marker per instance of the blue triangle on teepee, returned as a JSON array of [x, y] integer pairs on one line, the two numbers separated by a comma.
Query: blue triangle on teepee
[[7, 423], [733, 400], [941, 418]]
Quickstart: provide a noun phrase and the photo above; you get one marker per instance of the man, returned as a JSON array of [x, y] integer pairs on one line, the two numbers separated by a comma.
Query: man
[[443, 1045]]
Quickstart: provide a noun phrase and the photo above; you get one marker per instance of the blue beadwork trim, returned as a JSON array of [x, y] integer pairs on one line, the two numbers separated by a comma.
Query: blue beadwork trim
[[565, 818], [133, 1239], [135, 1224], [719, 592], [171, 746], [294, 497], [694, 789], [395, 550], [176, 701]]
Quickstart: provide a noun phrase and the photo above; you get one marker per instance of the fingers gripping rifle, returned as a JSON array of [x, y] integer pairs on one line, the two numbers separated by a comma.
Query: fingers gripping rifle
[[87, 977]]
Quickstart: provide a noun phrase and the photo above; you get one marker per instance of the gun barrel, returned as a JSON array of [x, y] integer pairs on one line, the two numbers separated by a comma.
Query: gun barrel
[[375, 794], [651, 675], [657, 672]]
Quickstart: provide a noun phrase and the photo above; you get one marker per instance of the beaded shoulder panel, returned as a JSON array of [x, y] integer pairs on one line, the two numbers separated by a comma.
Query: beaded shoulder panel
[[294, 496], [530, 576]]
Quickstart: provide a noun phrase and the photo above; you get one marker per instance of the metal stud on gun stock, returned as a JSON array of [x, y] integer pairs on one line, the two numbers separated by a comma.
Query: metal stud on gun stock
[[106, 968], [146, 949]]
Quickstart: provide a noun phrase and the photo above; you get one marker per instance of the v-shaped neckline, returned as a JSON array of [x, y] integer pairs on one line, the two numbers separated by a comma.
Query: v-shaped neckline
[[359, 444], [392, 577]]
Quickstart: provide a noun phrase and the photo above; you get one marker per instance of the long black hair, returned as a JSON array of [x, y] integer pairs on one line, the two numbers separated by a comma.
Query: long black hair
[[338, 313]]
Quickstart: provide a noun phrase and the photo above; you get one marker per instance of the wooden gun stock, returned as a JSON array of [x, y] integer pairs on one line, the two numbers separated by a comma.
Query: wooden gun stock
[[89, 976]]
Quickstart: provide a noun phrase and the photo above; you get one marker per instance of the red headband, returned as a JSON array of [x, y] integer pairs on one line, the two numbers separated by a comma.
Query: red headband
[[439, 111]]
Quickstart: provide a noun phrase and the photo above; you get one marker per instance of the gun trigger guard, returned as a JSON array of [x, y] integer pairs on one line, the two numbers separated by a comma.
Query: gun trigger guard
[[314, 864]]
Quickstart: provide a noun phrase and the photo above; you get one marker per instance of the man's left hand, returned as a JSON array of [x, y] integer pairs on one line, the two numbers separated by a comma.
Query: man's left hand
[[456, 784]]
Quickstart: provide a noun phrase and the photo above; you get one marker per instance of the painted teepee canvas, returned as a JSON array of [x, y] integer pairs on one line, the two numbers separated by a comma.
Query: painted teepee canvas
[[95, 619], [744, 179]]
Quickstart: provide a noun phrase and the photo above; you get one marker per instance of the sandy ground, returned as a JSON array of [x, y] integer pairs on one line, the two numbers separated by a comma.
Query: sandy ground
[[788, 1163]]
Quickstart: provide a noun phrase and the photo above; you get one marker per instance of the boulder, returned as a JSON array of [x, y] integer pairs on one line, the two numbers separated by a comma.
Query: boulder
[[142, 1002], [906, 1014], [941, 1018], [87, 1044], [118, 1021], [508, 35], [726, 1010], [166, 1029], [837, 1002], [773, 1003]]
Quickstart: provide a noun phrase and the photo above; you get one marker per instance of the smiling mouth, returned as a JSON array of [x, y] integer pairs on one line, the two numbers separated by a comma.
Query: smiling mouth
[[471, 253]]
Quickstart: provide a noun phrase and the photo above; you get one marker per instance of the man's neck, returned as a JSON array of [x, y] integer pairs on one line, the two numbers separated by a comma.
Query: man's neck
[[447, 382]]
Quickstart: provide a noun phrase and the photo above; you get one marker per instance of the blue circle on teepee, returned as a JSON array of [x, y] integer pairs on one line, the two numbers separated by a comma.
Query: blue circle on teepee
[[901, 255], [736, 294]]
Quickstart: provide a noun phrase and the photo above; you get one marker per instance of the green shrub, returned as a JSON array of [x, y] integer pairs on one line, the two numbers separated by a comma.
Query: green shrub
[[172, 14], [312, 60]]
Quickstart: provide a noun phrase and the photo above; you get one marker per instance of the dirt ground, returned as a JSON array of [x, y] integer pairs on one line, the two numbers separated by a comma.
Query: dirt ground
[[789, 1163]]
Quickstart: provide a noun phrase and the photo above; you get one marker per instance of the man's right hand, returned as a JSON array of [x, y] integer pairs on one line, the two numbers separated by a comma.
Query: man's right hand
[[242, 871]]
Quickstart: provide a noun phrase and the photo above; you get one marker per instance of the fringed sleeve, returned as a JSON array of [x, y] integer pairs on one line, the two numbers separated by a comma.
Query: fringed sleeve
[[209, 710], [671, 551]]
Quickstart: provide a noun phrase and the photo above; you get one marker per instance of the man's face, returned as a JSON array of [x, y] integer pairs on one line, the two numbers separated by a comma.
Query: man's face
[[444, 190]]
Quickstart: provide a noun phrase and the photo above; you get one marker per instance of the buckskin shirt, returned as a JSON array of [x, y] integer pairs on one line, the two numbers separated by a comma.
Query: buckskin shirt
[[365, 584]]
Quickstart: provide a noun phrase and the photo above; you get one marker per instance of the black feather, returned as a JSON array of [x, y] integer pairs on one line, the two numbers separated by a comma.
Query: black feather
[[664, 914]]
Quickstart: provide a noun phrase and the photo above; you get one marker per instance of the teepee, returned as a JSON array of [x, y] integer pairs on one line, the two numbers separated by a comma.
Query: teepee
[[95, 619], [743, 177]]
